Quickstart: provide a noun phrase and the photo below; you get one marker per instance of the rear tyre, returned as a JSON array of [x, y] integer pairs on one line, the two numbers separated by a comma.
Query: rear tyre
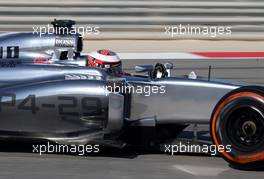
[[237, 124]]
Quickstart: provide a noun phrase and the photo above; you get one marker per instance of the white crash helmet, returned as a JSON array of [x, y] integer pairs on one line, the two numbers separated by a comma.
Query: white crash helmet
[[105, 59]]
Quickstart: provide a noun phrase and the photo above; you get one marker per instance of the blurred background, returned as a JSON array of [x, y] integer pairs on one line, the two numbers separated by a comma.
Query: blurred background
[[138, 26], [142, 22]]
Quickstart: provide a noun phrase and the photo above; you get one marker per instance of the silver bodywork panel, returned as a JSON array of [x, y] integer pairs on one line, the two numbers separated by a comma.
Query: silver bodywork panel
[[62, 100], [48, 47], [185, 101]]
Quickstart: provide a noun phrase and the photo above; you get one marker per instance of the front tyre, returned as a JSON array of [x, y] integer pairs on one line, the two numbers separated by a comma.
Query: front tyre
[[237, 123]]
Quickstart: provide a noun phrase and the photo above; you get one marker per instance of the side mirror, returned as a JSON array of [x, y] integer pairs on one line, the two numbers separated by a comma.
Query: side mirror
[[143, 68], [159, 71], [168, 65]]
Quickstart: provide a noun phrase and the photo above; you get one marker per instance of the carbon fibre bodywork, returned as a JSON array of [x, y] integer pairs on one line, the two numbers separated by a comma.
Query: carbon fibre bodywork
[[73, 104], [60, 99], [30, 48]]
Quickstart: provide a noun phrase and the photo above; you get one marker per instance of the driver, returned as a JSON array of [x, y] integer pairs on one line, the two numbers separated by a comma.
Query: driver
[[105, 59]]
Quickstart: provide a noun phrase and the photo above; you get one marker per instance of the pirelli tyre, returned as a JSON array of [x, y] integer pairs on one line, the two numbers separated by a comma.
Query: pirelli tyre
[[237, 123]]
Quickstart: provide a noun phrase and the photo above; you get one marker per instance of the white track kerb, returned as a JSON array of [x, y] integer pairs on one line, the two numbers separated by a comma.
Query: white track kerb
[[191, 55]]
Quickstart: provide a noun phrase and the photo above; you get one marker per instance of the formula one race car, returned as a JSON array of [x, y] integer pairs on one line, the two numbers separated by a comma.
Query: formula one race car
[[74, 104]]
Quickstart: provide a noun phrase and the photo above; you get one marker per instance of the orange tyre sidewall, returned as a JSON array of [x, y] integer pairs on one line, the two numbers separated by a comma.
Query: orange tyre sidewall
[[243, 159]]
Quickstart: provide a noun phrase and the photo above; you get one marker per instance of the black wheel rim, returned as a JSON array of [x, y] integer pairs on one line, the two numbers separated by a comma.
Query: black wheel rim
[[245, 128]]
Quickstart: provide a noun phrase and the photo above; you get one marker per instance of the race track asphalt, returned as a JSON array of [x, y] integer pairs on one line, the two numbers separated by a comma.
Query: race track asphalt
[[27, 166], [117, 165], [18, 161]]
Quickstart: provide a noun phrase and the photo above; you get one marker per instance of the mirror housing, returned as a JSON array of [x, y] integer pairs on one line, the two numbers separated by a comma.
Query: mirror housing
[[168, 65]]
